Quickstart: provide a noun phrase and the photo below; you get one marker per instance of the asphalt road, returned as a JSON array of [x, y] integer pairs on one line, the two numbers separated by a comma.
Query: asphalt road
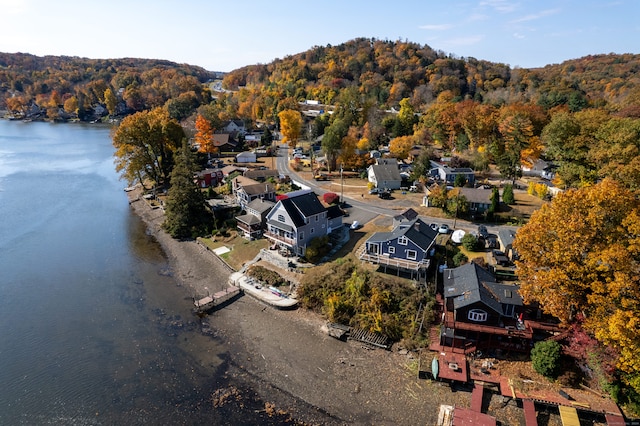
[[365, 211]]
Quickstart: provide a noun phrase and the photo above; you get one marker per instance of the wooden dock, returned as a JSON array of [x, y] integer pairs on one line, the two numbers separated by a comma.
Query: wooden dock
[[344, 332], [220, 298], [370, 338]]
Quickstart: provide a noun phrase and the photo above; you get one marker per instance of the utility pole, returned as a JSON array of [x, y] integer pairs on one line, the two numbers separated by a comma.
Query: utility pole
[[341, 184]]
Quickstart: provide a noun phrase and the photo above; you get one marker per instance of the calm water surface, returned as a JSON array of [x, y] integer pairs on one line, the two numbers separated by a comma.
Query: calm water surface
[[93, 328]]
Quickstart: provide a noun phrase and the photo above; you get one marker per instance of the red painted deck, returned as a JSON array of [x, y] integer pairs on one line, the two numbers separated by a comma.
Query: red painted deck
[[446, 361], [466, 417], [476, 398], [529, 408], [613, 420]]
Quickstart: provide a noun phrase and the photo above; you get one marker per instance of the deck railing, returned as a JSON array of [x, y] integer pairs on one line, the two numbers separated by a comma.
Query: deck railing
[[393, 262], [275, 237]]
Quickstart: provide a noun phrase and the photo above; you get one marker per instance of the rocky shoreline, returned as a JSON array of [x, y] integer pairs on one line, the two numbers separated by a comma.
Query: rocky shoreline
[[285, 358]]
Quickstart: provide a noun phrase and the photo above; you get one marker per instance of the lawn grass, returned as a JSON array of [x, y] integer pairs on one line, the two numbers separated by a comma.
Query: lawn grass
[[242, 250]]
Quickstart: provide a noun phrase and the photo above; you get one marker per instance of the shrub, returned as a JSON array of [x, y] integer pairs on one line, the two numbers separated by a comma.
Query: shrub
[[317, 248], [267, 276], [330, 197], [470, 242], [545, 357], [459, 259]]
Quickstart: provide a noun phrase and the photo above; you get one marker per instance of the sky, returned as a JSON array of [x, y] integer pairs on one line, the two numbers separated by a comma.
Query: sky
[[226, 35]]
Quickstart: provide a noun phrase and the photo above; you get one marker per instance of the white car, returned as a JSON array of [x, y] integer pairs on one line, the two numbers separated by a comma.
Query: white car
[[355, 224], [444, 229]]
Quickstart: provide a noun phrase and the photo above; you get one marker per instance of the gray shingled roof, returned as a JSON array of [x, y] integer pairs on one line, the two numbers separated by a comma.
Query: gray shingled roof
[[470, 283], [249, 219], [302, 206], [386, 172], [416, 230], [260, 205], [258, 188]]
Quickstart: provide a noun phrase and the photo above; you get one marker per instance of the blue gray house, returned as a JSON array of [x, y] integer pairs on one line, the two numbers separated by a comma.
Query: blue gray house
[[448, 174], [407, 248], [295, 221]]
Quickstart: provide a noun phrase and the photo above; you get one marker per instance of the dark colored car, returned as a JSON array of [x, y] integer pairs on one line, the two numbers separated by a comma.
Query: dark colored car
[[384, 195], [482, 231]]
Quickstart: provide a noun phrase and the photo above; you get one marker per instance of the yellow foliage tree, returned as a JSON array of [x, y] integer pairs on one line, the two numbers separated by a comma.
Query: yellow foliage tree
[[399, 147], [290, 126], [581, 254]]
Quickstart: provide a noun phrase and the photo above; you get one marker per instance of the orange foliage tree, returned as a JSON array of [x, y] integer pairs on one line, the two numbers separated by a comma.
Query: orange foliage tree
[[204, 136], [581, 254]]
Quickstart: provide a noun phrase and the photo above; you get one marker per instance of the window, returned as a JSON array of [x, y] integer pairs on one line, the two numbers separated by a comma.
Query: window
[[392, 250], [317, 218], [281, 218], [301, 236], [477, 315], [507, 309], [411, 254], [312, 231], [402, 240]]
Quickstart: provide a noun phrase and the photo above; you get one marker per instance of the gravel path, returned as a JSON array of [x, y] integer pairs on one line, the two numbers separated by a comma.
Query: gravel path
[[288, 361]]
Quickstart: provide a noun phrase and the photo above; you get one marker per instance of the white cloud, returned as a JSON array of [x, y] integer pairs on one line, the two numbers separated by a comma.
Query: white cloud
[[518, 35], [477, 17], [436, 27], [535, 16], [465, 41], [502, 6]]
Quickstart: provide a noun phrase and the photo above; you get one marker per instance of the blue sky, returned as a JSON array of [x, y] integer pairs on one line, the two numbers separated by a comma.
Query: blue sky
[[222, 36]]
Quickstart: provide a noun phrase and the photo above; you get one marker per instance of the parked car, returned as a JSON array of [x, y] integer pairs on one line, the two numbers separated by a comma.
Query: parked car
[[374, 191], [434, 226], [491, 242], [443, 229], [384, 195], [321, 176], [482, 231], [355, 224]]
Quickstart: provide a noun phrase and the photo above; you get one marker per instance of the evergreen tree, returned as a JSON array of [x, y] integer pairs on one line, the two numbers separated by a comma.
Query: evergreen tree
[[185, 213], [507, 194], [267, 137], [495, 201]]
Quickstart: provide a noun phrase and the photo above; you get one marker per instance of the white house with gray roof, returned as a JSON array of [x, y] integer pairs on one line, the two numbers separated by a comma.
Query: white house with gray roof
[[385, 173]]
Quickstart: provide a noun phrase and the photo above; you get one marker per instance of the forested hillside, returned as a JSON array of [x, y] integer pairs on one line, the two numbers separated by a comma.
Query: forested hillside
[[54, 87], [386, 72]]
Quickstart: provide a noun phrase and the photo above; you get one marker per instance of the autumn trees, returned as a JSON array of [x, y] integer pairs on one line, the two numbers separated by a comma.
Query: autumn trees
[[145, 144], [204, 136], [580, 254], [115, 85], [290, 126]]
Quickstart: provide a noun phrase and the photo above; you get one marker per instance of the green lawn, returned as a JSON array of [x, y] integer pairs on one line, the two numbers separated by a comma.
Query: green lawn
[[242, 250]]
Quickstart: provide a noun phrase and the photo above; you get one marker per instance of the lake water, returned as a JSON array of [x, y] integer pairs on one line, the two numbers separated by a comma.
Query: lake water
[[93, 328]]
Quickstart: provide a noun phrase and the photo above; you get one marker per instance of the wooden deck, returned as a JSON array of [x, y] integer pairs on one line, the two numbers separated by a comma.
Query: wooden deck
[[476, 397], [529, 408], [391, 262], [452, 366], [221, 297]]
